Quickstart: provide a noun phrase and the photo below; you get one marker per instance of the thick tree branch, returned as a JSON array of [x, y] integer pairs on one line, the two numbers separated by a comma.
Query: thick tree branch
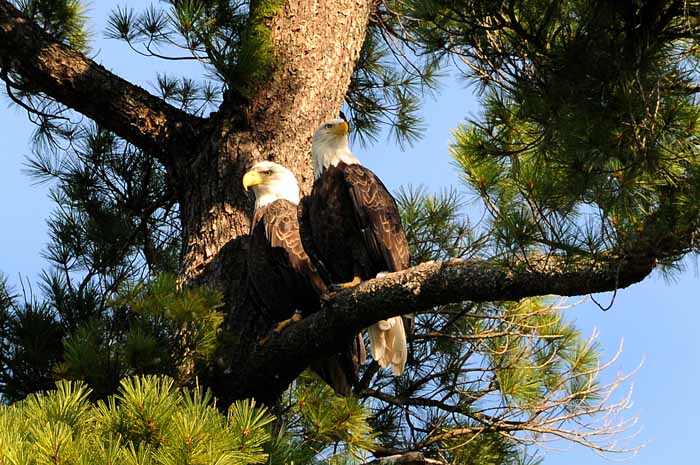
[[407, 458], [72, 79], [418, 289]]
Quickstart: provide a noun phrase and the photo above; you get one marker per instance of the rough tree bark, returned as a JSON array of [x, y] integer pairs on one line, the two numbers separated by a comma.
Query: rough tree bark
[[315, 47]]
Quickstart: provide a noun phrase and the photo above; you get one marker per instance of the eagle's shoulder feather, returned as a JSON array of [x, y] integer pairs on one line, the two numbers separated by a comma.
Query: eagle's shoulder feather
[[281, 228]]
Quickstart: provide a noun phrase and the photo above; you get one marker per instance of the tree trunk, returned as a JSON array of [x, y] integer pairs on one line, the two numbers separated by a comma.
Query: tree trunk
[[315, 47], [306, 87]]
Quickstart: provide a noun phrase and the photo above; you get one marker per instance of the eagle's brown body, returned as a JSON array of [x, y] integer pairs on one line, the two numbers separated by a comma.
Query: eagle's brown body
[[283, 280], [280, 271], [354, 224]]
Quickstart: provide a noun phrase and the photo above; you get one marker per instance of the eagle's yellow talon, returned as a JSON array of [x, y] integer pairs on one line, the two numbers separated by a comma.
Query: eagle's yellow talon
[[355, 281], [281, 326]]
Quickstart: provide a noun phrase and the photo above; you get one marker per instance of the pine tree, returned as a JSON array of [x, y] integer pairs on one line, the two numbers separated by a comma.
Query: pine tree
[[584, 159]]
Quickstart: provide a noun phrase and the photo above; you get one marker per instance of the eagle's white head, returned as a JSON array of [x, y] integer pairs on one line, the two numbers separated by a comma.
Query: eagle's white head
[[329, 146], [271, 181]]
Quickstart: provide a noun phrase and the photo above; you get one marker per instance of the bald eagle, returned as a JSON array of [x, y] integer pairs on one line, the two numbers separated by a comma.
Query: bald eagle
[[281, 275], [356, 230]]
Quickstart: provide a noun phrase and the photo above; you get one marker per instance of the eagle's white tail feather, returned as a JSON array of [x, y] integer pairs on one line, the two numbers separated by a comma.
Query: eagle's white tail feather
[[377, 342], [388, 343]]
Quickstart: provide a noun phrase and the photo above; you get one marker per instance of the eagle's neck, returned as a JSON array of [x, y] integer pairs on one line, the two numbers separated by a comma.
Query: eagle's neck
[[265, 195], [329, 153]]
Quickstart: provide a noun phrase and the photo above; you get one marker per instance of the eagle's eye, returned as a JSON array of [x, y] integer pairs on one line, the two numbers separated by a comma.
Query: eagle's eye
[[267, 173], [328, 126]]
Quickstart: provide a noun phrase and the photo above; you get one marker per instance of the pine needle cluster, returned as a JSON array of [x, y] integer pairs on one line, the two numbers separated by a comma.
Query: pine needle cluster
[[150, 328], [64, 19], [336, 429], [147, 421]]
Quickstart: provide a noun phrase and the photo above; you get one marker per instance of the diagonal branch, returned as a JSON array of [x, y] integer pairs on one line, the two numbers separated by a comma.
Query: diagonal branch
[[268, 369], [72, 79], [406, 458]]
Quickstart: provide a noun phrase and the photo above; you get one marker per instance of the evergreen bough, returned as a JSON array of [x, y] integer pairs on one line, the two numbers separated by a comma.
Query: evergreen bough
[[147, 421]]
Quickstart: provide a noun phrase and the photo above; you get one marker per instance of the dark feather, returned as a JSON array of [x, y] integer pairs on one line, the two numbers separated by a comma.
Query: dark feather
[[355, 225], [283, 279], [378, 218], [281, 272]]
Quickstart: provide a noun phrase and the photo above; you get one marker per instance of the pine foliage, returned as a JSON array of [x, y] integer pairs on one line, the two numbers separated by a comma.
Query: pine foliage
[[335, 428], [153, 327], [64, 19], [114, 212], [149, 421], [30, 344], [586, 145], [386, 88]]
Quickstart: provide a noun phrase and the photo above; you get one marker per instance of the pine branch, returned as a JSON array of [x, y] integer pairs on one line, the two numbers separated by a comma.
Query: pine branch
[[70, 78], [280, 360]]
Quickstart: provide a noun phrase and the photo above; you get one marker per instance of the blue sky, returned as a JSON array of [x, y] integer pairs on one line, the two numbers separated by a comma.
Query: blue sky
[[656, 320]]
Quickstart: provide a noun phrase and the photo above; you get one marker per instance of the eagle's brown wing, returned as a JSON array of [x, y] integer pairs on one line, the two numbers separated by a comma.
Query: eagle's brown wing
[[283, 233], [378, 217], [288, 255], [380, 221]]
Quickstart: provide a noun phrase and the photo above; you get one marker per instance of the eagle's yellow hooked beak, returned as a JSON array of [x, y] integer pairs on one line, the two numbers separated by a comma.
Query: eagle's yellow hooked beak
[[342, 129], [252, 178]]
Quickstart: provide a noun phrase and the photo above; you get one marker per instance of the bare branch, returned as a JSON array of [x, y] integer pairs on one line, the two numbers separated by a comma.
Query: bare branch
[[70, 78], [408, 458]]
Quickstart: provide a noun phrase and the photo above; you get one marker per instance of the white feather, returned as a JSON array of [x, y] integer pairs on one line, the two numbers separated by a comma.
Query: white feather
[[388, 344], [328, 148], [377, 344], [280, 184]]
